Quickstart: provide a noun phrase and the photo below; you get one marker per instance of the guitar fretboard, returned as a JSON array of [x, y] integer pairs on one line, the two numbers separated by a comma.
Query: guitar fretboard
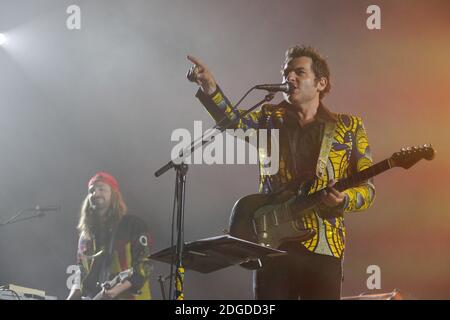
[[303, 203], [363, 175]]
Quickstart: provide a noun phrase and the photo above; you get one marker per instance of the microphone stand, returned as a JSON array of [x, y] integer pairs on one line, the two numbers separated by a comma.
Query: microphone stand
[[14, 219], [180, 187]]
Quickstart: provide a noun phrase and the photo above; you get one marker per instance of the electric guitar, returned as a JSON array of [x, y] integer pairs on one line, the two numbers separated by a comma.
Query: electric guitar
[[108, 285], [261, 219]]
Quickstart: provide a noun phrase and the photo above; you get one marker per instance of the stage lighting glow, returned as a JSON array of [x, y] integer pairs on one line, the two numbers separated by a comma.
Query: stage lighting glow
[[3, 39]]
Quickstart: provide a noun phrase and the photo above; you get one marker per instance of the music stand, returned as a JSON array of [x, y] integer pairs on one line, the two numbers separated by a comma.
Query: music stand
[[212, 254]]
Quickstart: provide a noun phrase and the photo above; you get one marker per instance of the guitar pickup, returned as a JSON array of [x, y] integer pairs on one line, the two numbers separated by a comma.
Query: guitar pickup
[[275, 218], [260, 224]]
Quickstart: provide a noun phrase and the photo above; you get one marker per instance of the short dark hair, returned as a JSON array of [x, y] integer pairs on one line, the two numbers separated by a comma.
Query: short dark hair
[[319, 64]]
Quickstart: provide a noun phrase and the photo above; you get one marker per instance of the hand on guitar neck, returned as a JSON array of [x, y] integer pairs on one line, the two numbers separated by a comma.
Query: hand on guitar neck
[[113, 288], [110, 289], [332, 197], [112, 293]]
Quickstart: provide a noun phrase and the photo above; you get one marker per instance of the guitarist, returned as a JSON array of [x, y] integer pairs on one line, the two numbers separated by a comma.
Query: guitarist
[[317, 148], [111, 241]]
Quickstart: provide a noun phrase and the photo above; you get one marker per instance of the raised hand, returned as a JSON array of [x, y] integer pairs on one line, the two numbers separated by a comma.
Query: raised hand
[[203, 76]]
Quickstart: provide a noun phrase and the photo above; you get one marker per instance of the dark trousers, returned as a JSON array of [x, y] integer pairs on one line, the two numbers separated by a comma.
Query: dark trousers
[[300, 274]]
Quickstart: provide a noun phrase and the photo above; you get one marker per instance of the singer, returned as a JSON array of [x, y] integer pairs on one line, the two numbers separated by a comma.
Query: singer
[[317, 148], [111, 241]]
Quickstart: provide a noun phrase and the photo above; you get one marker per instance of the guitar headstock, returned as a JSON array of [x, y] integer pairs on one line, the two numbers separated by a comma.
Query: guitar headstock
[[407, 157]]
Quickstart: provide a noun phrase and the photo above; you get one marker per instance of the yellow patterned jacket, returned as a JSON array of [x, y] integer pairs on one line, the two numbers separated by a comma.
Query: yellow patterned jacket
[[345, 149]]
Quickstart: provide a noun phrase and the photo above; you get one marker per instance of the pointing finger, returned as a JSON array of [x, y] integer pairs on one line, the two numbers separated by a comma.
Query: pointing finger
[[195, 61]]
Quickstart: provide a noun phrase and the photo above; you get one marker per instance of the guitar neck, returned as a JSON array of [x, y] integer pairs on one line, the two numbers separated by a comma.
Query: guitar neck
[[303, 203], [106, 285], [363, 175]]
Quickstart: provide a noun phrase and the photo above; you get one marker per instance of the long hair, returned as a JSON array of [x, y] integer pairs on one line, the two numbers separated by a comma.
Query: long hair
[[89, 220]]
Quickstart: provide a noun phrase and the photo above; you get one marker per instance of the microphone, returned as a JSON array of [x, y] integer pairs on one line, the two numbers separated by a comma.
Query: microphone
[[191, 75], [285, 87]]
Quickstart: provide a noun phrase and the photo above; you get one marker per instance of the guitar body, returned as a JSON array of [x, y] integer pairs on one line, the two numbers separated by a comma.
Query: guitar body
[[261, 219], [241, 220]]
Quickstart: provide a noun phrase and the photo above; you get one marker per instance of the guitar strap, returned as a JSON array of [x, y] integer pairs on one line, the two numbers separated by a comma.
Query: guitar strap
[[105, 272], [327, 140]]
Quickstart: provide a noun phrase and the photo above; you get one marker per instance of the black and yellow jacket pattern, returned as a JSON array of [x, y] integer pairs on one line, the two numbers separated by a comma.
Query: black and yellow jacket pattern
[[130, 249], [344, 149]]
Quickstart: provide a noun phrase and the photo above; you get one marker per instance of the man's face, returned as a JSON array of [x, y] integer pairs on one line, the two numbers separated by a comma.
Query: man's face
[[100, 195], [299, 74]]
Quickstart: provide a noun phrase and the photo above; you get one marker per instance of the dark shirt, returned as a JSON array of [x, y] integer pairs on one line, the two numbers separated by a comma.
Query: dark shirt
[[304, 146], [304, 142]]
